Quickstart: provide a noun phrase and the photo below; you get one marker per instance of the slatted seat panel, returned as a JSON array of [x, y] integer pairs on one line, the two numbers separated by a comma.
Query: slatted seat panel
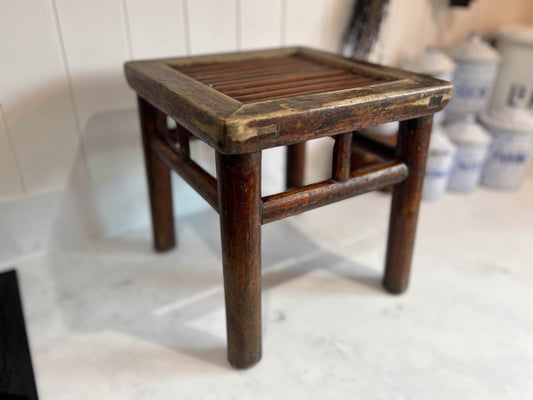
[[275, 78]]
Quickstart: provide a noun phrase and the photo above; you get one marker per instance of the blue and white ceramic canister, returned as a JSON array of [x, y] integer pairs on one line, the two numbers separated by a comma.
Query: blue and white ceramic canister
[[472, 142], [514, 85], [439, 165], [512, 146], [434, 63], [477, 66]]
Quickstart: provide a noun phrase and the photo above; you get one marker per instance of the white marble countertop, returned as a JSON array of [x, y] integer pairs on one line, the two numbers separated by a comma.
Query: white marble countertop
[[112, 320]]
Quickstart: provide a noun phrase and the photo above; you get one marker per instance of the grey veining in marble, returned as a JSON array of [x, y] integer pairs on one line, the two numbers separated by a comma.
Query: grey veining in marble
[[112, 320]]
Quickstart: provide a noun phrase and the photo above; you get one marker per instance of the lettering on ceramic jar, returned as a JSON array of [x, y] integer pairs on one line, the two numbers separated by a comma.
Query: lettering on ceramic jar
[[510, 158], [470, 166], [436, 174], [518, 96], [474, 92]]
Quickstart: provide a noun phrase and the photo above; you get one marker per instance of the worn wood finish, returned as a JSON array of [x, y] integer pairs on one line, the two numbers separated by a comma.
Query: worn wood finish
[[242, 103], [239, 189], [199, 179], [288, 120], [295, 165], [340, 170], [158, 177], [412, 148], [234, 122], [297, 201], [183, 137], [190, 103]]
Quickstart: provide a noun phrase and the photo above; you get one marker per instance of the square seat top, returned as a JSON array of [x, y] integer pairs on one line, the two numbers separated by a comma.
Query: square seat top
[[249, 101]]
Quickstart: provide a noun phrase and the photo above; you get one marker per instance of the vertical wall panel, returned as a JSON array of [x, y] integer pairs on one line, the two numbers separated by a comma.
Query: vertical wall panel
[[96, 46], [10, 183], [306, 25], [157, 28], [95, 36], [337, 18], [305, 22], [35, 98], [213, 25], [260, 23]]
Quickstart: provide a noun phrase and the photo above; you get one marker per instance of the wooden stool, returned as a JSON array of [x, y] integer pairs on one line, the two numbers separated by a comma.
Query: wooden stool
[[243, 103]]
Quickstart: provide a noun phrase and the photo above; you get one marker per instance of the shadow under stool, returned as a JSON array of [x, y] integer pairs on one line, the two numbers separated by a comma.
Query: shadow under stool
[[243, 103]]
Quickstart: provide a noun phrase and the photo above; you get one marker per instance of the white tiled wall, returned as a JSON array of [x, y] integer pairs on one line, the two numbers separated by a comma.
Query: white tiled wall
[[261, 23], [9, 175], [34, 94], [212, 26], [157, 28], [68, 120], [305, 22], [66, 106]]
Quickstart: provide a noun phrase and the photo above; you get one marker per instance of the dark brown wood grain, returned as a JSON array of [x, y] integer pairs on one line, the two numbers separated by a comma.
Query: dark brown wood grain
[[199, 179], [295, 165], [412, 148], [340, 170], [183, 137], [239, 68], [258, 81], [237, 123], [273, 123], [159, 185], [239, 188], [298, 84], [242, 103], [309, 197]]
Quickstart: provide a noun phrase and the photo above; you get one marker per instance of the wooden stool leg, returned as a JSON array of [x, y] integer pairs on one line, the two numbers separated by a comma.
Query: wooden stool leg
[[239, 194], [295, 165], [159, 186], [412, 148]]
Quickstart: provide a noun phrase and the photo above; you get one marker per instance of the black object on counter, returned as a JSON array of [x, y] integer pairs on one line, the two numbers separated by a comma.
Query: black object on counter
[[17, 380]]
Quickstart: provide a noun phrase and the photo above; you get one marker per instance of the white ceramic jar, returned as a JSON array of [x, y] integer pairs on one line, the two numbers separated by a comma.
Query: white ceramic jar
[[472, 142], [477, 66], [514, 85], [512, 146], [439, 165], [434, 63]]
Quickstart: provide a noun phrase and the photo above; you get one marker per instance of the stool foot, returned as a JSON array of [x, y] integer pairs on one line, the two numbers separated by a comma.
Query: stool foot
[[412, 148], [239, 194], [159, 184]]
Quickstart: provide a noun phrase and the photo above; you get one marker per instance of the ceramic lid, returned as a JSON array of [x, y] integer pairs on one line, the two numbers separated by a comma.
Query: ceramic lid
[[431, 62], [467, 131], [507, 118], [474, 49], [439, 143], [521, 35]]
